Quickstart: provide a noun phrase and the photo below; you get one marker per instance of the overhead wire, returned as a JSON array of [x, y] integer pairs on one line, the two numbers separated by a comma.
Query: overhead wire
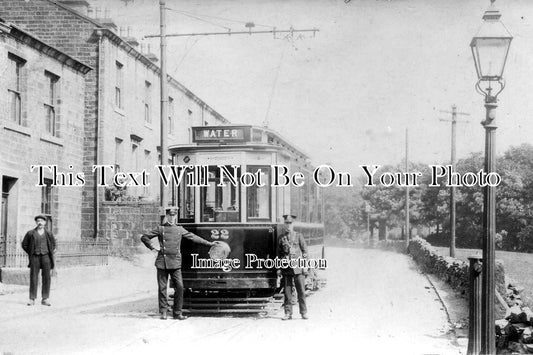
[[188, 50], [218, 18], [290, 38], [199, 19]]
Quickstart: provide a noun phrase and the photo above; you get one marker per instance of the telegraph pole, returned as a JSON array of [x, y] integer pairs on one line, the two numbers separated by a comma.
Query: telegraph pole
[[164, 102], [452, 188], [407, 227]]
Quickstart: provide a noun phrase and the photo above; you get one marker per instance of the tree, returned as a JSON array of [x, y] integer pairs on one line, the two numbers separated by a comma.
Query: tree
[[342, 209]]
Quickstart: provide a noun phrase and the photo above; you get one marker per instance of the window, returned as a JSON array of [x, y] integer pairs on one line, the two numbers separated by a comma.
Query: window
[[219, 203], [14, 88], [186, 201], [135, 156], [118, 154], [313, 203], [296, 202], [147, 161], [147, 95], [173, 193], [118, 85], [258, 197], [304, 190], [49, 103], [170, 115], [47, 202], [319, 205]]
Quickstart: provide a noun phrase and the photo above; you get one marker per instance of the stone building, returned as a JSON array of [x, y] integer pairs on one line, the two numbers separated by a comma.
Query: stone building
[[121, 117], [41, 122]]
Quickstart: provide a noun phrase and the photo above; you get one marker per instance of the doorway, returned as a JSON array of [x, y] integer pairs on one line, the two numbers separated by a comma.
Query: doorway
[[7, 216]]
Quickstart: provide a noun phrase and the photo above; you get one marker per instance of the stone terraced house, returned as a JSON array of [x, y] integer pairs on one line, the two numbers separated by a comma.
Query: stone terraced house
[[118, 124], [41, 123]]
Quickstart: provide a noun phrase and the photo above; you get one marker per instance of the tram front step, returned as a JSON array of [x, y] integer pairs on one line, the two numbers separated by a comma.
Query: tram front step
[[225, 305], [228, 305], [223, 310], [199, 299]]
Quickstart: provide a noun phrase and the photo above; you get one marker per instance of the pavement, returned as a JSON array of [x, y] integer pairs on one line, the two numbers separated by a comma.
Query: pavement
[[84, 287], [375, 302], [456, 308]]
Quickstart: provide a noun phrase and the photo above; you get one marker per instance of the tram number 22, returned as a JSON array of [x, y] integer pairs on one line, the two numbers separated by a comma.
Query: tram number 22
[[222, 234]]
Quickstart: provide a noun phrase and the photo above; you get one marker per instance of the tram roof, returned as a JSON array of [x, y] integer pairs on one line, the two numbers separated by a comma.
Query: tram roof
[[234, 136]]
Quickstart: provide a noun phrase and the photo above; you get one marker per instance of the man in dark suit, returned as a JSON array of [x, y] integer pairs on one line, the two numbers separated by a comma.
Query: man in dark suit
[[292, 246], [168, 261], [40, 246]]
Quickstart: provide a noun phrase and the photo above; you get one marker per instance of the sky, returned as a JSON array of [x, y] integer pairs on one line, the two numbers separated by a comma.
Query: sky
[[347, 94]]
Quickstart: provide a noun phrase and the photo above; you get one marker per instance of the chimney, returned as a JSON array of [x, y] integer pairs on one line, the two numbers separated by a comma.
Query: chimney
[[107, 21], [80, 6], [153, 58], [132, 41]]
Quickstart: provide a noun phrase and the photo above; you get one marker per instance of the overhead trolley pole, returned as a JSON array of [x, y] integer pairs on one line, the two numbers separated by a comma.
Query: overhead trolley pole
[[164, 91]]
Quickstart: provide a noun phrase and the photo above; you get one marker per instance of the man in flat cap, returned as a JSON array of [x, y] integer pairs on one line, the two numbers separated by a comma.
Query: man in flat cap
[[292, 246], [40, 245], [168, 261]]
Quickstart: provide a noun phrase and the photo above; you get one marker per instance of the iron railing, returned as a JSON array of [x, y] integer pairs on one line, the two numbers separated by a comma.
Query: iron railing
[[68, 254]]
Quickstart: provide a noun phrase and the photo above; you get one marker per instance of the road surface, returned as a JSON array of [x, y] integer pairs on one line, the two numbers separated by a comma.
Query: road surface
[[375, 302]]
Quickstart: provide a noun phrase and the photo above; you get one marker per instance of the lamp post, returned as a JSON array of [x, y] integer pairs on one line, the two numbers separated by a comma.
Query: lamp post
[[490, 47]]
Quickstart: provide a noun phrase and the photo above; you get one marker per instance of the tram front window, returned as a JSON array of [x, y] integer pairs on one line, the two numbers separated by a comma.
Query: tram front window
[[219, 203], [258, 197], [186, 203]]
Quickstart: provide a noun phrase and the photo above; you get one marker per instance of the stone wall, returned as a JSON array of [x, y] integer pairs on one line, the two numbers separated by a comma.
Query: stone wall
[[122, 223], [455, 272]]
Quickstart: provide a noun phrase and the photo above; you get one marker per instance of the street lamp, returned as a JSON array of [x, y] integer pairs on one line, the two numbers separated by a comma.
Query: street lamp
[[490, 47]]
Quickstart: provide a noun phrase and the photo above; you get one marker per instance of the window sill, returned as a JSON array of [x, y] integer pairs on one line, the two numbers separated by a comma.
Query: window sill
[[10, 126], [120, 111], [258, 219], [53, 140], [128, 202], [148, 125]]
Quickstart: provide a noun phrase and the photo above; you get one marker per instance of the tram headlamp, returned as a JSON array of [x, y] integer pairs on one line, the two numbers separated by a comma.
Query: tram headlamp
[[220, 250]]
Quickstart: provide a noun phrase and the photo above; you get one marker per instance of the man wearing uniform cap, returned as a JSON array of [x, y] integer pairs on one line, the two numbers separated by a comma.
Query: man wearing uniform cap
[[292, 246], [40, 245], [168, 261]]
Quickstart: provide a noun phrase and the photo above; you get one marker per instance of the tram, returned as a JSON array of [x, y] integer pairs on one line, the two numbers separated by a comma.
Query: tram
[[219, 202]]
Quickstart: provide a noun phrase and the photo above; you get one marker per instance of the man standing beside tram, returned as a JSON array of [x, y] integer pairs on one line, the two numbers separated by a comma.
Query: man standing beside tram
[[168, 261], [292, 245]]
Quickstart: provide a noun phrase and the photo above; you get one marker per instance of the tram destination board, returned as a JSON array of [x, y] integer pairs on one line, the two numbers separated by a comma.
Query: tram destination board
[[212, 134]]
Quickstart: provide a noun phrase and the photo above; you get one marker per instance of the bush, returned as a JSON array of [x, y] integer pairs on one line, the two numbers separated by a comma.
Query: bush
[[525, 239], [439, 240]]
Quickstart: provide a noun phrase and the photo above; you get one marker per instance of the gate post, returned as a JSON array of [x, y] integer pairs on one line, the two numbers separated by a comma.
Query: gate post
[[474, 331]]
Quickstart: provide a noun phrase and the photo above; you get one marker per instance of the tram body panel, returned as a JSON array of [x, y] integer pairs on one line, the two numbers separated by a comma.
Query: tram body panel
[[259, 240]]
